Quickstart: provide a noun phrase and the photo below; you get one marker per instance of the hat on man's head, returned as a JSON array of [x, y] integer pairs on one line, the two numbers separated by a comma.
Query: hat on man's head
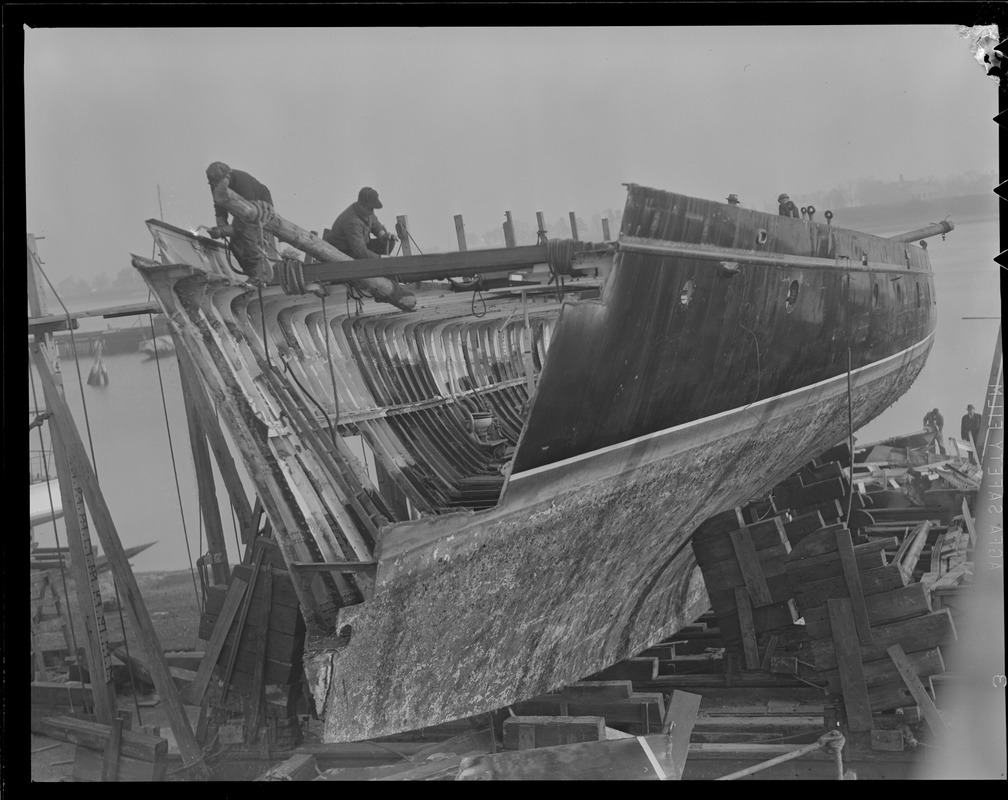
[[733, 199], [782, 197], [217, 171], [970, 407], [369, 197]]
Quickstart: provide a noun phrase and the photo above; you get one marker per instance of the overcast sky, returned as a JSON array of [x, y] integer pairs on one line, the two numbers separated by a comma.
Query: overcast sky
[[443, 121]]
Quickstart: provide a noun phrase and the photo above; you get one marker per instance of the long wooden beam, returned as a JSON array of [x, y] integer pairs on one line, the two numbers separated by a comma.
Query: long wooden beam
[[451, 265], [130, 591], [207, 488]]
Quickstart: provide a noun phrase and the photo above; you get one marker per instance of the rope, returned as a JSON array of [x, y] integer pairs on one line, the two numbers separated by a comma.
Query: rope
[[171, 450], [262, 314], [472, 305]]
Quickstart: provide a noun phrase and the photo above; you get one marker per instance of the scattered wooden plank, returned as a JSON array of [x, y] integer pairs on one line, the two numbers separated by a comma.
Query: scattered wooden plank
[[970, 526], [53, 693], [909, 552], [882, 609], [916, 688], [524, 733], [802, 525], [882, 671], [96, 736], [875, 581]]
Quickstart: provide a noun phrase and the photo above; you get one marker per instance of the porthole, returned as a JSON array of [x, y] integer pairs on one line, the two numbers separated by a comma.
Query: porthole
[[792, 297], [761, 236], [687, 293], [918, 296], [874, 296]]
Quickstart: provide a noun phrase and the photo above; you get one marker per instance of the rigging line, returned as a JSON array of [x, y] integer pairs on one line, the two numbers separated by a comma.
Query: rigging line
[[850, 440], [66, 595], [171, 450], [262, 315]]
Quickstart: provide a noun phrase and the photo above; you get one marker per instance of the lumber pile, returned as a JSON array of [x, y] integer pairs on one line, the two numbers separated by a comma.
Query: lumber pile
[[109, 753]]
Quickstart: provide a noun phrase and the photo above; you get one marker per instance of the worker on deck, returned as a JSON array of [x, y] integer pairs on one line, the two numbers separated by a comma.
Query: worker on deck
[[786, 206], [935, 422], [352, 230], [252, 246], [970, 427], [733, 200]]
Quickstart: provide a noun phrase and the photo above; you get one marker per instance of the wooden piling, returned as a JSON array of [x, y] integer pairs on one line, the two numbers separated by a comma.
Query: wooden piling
[[460, 233]]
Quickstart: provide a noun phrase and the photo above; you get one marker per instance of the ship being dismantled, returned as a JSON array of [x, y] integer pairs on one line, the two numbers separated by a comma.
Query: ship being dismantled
[[483, 499]]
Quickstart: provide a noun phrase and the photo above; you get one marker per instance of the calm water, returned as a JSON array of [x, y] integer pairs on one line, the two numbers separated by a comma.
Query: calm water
[[134, 462]]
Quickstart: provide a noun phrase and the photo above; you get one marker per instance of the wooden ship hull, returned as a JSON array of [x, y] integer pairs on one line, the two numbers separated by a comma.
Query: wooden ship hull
[[462, 567]]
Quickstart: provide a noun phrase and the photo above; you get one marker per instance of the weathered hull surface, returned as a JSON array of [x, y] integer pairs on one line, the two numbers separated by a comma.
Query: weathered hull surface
[[714, 364]]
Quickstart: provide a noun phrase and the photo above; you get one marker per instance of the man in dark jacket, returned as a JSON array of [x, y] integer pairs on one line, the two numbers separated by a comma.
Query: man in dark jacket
[[352, 230], [936, 422], [970, 426], [786, 206], [245, 240]]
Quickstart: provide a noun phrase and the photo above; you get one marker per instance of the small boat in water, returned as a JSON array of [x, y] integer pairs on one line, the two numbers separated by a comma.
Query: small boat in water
[[645, 386], [158, 346]]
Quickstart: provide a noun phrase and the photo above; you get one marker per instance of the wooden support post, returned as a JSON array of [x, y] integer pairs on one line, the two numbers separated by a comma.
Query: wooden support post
[[542, 228], [852, 679], [125, 580], [916, 688], [573, 222], [214, 435], [909, 551], [407, 248], [752, 570], [75, 519], [460, 233], [206, 487], [605, 229], [968, 519], [239, 629], [236, 591], [258, 684], [852, 576], [110, 763], [509, 235], [745, 617]]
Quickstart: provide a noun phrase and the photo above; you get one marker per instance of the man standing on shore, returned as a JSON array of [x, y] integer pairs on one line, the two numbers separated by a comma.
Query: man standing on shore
[[969, 430]]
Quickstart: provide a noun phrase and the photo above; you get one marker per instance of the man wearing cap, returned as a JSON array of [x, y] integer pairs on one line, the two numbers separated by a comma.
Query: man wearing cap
[[351, 231], [245, 240], [934, 421], [786, 206], [970, 426], [733, 200]]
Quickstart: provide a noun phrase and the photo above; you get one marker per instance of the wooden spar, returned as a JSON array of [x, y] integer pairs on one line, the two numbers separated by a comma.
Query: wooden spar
[[457, 265], [923, 233], [207, 489], [111, 544], [382, 289], [75, 519]]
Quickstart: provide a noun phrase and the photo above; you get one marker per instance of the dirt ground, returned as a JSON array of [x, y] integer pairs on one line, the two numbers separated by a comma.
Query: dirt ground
[[171, 602]]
